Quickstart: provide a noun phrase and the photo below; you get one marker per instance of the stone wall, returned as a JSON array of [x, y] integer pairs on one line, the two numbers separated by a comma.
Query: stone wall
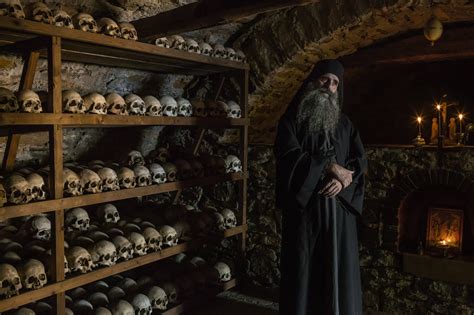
[[385, 287]]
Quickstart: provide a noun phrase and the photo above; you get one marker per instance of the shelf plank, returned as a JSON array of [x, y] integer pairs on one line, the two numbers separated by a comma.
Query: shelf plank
[[104, 50], [100, 121], [15, 211], [80, 280]]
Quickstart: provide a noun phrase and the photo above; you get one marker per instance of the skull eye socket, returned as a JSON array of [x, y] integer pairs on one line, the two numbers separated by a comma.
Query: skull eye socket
[[42, 277], [16, 193], [5, 284], [118, 106], [16, 281], [30, 279]]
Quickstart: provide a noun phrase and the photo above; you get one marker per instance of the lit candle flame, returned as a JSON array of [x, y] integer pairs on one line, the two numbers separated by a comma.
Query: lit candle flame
[[419, 120], [461, 116], [438, 107]]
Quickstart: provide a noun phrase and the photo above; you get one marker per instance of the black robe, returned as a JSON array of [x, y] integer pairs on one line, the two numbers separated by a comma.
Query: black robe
[[319, 253]]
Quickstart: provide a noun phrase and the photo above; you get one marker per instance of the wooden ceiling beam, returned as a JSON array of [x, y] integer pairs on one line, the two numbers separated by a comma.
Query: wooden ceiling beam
[[207, 13]]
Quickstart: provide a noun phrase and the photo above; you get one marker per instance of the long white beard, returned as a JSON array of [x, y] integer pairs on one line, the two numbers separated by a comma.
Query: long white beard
[[319, 111]]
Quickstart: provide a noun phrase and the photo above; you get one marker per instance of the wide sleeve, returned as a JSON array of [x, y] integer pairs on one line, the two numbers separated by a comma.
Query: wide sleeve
[[297, 172]]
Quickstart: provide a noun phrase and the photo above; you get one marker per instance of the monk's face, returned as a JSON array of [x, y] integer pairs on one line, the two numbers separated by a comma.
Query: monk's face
[[328, 81]]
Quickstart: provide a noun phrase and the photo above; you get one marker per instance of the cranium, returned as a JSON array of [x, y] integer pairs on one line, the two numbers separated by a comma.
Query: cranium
[[115, 293], [171, 171], [90, 181], [72, 183], [135, 158], [160, 155], [79, 259], [192, 46], [110, 181], [135, 105], [141, 304], [234, 110], [212, 108], [206, 49], [39, 12], [171, 291], [8, 101], [233, 164], [103, 253], [82, 307], [97, 235], [153, 239], [95, 103], [153, 106], [124, 247], [139, 244], [183, 230], [9, 280], [222, 109], [126, 178], [230, 221], [108, 213], [230, 53], [98, 299], [143, 176], [170, 106], [40, 228], [18, 190], [77, 219], [240, 56], [184, 169], [199, 108], [29, 102], [122, 307], [62, 19], [98, 286], [109, 27], [12, 8], [197, 168], [85, 22], [198, 262], [24, 311], [128, 285], [3, 194], [158, 298], [116, 104], [37, 185], [184, 107], [33, 275], [220, 222], [102, 311], [73, 102], [177, 42], [170, 237], [218, 51], [128, 31], [162, 42], [224, 271], [158, 174]]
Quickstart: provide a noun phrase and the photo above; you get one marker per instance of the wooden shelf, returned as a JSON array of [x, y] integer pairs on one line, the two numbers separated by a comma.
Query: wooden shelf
[[100, 121], [200, 299], [104, 50], [9, 212], [96, 275]]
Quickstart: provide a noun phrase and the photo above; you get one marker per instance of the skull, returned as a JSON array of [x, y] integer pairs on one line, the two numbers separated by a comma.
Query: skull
[[206, 49], [171, 171], [177, 42], [116, 104], [128, 285], [240, 56], [220, 221], [85, 22], [12, 8], [222, 109], [153, 239], [183, 230], [102, 311], [192, 46], [170, 237], [162, 42], [33, 275], [98, 299], [95, 104], [40, 12], [115, 293], [124, 247], [170, 106], [38, 188], [224, 271], [213, 108], [29, 102], [90, 181], [153, 106], [62, 19], [9, 280], [109, 27], [135, 158], [199, 108], [230, 221], [40, 228], [108, 213], [103, 253], [72, 183], [184, 169], [122, 307], [198, 262], [171, 292], [3, 194], [8, 101], [234, 110], [73, 102], [218, 51], [128, 31], [126, 178], [160, 155], [158, 174], [143, 176], [77, 219], [24, 311], [141, 304], [18, 190], [158, 298], [79, 259], [233, 164], [110, 181], [135, 104], [138, 242], [197, 168], [230, 52], [184, 107]]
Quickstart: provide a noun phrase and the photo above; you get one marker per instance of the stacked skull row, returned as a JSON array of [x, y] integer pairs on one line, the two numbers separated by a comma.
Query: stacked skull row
[[40, 12], [27, 275], [203, 48]]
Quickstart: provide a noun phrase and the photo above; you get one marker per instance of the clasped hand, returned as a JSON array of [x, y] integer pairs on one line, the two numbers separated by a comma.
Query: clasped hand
[[339, 178]]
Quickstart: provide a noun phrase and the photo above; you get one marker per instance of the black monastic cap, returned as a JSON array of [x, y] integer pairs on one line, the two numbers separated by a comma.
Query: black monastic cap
[[327, 66]]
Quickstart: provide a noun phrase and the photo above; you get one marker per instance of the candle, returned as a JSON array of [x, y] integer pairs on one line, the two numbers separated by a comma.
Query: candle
[[460, 122], [419, 126], [440, 124]]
